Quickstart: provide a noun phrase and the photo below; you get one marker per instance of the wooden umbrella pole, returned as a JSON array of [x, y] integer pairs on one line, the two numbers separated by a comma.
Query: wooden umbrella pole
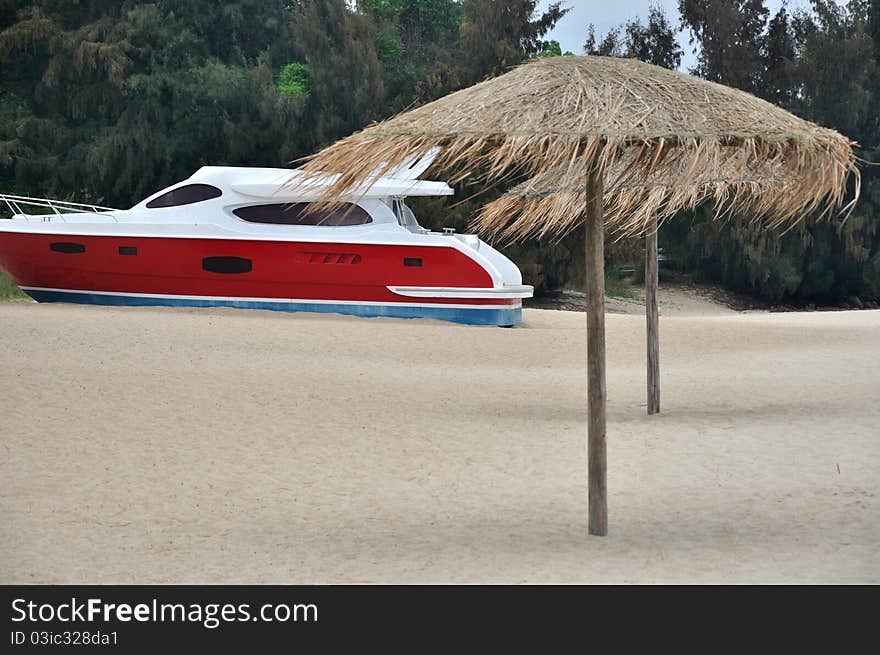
[[652, 318], [595, 275]]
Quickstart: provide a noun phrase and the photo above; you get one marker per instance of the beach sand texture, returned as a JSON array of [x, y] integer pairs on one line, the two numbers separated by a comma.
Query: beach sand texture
[[146, 445]]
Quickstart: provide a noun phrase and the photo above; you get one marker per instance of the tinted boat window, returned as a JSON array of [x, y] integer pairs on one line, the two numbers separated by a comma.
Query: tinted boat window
[[67, 247], [227, 265], [295, 214], [185, 195]]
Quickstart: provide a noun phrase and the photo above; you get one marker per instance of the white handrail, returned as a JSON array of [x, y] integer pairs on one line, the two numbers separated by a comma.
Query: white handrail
[[57, 206]]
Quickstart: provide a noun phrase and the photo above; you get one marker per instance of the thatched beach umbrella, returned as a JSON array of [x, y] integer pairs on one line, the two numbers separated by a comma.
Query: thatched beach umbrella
[[633, 205], [585, 119]]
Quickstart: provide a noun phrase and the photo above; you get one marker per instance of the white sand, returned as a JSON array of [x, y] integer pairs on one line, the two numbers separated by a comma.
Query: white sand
[[221, 446]]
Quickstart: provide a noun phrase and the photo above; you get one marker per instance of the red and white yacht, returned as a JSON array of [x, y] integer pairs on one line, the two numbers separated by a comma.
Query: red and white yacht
[[240, 237]]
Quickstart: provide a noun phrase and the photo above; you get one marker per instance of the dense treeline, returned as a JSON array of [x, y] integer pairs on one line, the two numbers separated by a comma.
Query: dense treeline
[[110, 100], [820, 64]]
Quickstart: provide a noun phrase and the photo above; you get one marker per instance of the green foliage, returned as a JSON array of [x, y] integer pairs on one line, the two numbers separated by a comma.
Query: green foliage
[[391, 48], [779, 83], [295, 80], [422, 20], [618, 284], [653, 42], [728, 35], [820, 64], [347, 89], [112, 100], [836, 67], [610, 45], [109, 100], [552, 49], [496, 35], [8, 290], [417, 43]]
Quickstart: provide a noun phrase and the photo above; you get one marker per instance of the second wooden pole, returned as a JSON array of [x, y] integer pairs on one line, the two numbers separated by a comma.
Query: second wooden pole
[[652, 314]]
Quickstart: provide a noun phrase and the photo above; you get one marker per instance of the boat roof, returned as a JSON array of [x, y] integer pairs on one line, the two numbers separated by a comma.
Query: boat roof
[[292, 184]]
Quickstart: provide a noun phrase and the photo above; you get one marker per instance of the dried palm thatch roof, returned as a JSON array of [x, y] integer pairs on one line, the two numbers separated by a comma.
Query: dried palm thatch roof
[[663, 139], [631, 204]]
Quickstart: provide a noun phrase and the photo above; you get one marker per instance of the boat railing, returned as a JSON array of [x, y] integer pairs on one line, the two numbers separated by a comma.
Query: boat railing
[[58, 207]]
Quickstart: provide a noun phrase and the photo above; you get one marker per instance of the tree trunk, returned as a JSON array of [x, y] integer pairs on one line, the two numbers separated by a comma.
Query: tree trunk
[[652, 318], [595, 274]]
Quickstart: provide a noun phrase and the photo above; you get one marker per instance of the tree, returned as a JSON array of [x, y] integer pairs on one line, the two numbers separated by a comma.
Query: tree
[[611, 45], [836, 65], [779, 79], [553, 49], [417, 44], [728, 37], [820, 64], [496, 35], [109, 100], [347, 89], [838, 73], [653, 42]]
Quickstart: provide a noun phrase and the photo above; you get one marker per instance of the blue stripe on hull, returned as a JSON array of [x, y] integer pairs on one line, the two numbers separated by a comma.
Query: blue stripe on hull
[[481, 316]]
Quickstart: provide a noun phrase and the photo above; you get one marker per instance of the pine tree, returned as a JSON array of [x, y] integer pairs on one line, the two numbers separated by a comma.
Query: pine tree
[[820, 64], [728, 37], [610, 45], [109, 100], [417, 44], [496, 35], [779, 80], [653, 42]]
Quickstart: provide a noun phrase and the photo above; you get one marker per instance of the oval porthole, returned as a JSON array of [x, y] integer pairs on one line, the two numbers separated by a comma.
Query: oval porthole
[[67, 247], [227, 265]]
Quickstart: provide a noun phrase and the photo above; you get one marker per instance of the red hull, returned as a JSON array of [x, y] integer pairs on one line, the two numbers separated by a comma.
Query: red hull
[[279, 269]]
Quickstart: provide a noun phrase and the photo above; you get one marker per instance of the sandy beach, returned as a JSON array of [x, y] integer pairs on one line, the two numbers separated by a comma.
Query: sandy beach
[[160, 445]]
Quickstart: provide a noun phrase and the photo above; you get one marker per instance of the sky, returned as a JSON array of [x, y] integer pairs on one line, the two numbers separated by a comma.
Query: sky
[[571, 31]]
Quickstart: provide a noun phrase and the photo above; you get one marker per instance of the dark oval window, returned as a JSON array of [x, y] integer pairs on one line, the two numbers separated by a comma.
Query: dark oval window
[[294, 213], [227, 265], [185, 195], [67, 247]]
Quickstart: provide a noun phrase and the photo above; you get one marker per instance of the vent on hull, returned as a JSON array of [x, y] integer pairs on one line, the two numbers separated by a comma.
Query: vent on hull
[[328, 258]]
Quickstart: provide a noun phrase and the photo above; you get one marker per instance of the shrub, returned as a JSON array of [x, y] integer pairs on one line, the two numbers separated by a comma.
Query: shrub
[[295, 80]]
